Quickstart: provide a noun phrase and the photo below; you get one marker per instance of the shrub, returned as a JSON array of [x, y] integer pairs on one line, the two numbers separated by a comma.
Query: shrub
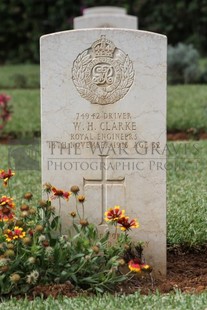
[[34, 250], [183, 66]]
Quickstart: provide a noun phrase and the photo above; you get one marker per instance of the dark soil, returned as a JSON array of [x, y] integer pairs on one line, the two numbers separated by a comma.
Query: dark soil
[[186, 271], [190, 134]]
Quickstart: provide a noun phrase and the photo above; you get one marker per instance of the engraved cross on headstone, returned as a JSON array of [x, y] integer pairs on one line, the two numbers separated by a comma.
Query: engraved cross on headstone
[[104, 181]]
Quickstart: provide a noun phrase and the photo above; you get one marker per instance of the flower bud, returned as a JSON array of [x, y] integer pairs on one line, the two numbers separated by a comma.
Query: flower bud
[[81, 198], [121, 262], [10, 246], [9, 253], [43, 203], [84, 223], [28, 196], [51, 208], [75, 189], [24, 207], [31, 260], [39, 228], [26, 241], [95, 249], [24, 214], [126, 247], [47, 187], [15, 277], [32, 211], [73, 214], [4, 268], [41, 238], [45, 243]]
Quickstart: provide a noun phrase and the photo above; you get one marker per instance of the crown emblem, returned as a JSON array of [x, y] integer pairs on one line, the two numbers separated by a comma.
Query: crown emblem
[[103, 48], [102, 73]]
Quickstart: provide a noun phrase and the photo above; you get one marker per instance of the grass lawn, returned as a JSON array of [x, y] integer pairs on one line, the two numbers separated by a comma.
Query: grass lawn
[[187, 193], [187, 104], [177, 301], [187, 107], [26, 112], [19, 76]]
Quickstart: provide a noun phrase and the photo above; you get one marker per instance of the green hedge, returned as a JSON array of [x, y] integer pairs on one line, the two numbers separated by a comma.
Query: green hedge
[[23, 22]]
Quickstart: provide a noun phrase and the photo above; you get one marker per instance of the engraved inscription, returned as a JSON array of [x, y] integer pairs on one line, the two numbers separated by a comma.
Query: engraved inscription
[[103, 74]]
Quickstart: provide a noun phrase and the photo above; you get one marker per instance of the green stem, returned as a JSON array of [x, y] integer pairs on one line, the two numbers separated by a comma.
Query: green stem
[[126, 235], [60, 226], [76, 206], [83, 210], [9, 188], [115, 237], [81, 266]]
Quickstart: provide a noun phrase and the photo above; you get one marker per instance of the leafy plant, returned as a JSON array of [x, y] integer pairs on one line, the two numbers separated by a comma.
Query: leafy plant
[[183, 66], [34, 250]]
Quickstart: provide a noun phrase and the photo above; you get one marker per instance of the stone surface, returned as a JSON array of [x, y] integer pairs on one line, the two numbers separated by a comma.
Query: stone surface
[[104, 10], [103, 96], [106, 21]]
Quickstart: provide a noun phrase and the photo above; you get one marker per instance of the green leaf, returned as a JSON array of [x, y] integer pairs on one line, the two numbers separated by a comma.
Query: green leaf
[[55, 222]]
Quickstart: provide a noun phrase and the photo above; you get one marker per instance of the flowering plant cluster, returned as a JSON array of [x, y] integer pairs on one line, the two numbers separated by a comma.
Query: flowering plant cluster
[[34, 250], [5, 110], [117, 217]]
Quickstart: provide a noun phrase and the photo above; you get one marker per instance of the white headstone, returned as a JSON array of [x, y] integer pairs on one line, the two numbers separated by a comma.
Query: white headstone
[[103, 95], [104, 10], [106, 21]]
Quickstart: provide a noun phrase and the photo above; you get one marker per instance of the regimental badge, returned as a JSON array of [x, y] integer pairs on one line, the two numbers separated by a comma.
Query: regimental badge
[[103, 74]]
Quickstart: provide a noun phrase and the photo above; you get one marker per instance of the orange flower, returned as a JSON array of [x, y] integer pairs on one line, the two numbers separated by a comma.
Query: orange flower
[[114, 214], [6, 206], [6, 217], [58, 193], [7, 202], [17, 233], [6, 176], [47, 187], [134, 265], [146, 268], [127, 224]]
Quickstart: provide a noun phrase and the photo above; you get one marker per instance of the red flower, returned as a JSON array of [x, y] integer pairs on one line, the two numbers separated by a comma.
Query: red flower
[[5, 110], [58, 193], [7, 202], [17, 233], [6, 217], [6, 206], [127, 224], [4, 99], [6, 176], [136, 266], [114, 214]]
